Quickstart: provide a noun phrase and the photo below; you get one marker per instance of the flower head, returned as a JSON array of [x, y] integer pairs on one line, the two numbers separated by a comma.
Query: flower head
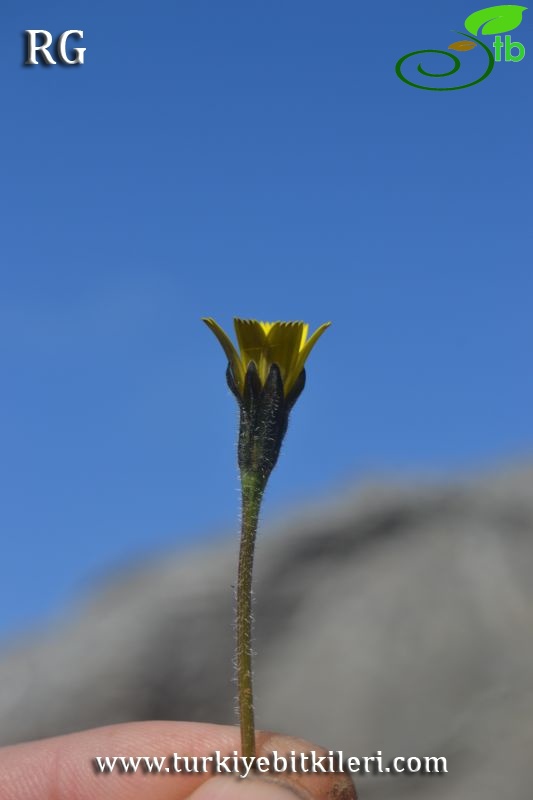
[[284, 344]]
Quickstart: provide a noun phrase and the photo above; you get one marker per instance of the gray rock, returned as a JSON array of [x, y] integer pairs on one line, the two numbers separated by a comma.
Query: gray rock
[[396, 618]]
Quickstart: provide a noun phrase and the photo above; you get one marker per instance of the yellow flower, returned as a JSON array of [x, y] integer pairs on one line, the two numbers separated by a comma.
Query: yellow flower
[[265, 343]]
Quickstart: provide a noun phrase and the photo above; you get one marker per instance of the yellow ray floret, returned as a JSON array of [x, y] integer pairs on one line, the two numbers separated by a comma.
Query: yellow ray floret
[[266, 343]]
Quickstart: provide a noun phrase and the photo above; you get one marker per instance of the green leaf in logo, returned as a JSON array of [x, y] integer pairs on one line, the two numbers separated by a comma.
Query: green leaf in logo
[[496, 19]]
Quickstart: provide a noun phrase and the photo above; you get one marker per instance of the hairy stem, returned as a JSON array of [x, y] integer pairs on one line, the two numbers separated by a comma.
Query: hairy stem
[[253, 487]]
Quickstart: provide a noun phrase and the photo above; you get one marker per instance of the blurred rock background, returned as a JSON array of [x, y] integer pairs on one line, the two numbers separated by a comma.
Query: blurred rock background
[[395, 617]]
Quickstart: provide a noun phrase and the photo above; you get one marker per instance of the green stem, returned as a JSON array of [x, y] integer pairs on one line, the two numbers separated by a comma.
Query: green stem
[[253, 487]]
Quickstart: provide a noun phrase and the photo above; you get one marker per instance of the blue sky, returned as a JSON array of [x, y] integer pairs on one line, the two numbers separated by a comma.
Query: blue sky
[[259, 160]]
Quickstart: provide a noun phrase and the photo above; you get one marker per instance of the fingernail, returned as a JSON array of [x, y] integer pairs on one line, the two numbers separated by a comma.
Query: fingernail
[[232, 788]]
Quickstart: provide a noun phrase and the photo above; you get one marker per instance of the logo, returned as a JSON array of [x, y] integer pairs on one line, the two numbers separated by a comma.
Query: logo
[[33, 49], [487, 22]]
